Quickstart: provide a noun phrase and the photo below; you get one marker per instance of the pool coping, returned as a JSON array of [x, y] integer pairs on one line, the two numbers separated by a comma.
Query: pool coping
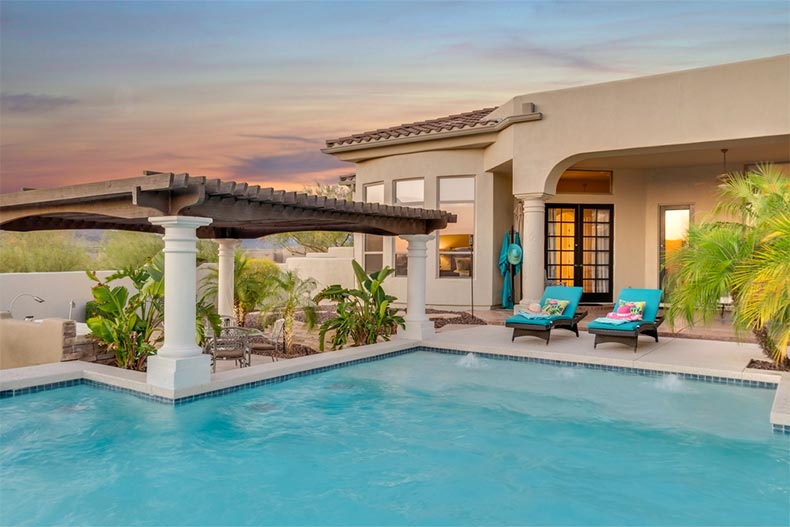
[[32, 379]]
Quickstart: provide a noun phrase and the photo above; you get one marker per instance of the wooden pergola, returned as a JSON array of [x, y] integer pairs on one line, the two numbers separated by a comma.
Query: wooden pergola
[[185, 208], [237, 210]]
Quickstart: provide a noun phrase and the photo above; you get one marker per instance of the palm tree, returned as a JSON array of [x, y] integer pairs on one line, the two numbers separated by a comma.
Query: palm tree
[[745, 256], [291, 295], [253, 281]]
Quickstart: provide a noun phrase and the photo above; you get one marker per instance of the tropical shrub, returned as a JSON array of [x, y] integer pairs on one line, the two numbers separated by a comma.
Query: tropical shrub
[[362, 314], [745, 256], [128, 249], [254, 280], [126, 322], [131, 324], [291, 295], [45, 251]]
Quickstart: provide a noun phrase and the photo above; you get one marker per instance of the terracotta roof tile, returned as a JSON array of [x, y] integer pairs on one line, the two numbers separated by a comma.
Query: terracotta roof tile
[[459, 121]]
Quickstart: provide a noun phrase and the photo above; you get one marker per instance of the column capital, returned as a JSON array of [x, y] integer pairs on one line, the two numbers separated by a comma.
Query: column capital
[[533, 196], [227, 242], [227, 246], [424, 238], [180, 221]]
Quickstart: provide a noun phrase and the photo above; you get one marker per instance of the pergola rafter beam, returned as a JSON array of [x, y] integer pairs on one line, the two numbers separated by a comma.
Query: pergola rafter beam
[[238, 210]]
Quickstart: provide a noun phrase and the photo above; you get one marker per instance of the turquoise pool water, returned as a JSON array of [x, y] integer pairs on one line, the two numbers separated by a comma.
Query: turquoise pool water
[[422, 438]]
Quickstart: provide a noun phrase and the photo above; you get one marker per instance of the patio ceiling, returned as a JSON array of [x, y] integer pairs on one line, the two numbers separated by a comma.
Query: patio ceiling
[[237, 209]]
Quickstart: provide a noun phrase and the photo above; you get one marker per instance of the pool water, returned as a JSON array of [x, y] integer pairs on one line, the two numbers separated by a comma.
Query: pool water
[[422, 438]]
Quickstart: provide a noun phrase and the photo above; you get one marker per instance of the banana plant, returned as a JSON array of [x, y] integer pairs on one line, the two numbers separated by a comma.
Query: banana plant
[[131, 324], [362, 314], [124, 322]]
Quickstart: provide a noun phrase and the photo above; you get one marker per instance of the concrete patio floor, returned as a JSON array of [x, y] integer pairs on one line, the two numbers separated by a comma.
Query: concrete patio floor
[[718, 329], [707, 357], [257, 360]]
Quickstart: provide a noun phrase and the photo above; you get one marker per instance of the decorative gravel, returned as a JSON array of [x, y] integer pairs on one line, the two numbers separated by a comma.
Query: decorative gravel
[[768, 365]]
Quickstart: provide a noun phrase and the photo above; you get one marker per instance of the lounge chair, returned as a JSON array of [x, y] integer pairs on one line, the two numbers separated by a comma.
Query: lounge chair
[[540, 326], [628, 332]]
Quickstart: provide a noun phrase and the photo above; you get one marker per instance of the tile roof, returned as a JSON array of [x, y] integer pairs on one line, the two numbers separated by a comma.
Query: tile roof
[[474, 119]]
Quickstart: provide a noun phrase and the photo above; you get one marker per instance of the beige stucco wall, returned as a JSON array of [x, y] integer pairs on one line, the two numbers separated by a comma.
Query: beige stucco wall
[[443, 292], [675, 111], [30, 343], [695, 186], [637, 196], [503, 205], [331, 267], [57, 290], [628, 198], [682, 114]]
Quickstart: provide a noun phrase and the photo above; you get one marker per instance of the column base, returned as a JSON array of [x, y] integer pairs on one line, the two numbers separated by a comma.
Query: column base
[[173, 374], [417, 330]]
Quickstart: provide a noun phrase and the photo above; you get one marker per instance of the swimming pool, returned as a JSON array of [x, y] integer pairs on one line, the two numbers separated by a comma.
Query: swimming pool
[[421, 438]]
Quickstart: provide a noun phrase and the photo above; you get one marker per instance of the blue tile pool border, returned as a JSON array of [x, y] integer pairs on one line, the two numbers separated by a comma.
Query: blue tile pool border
[[783, 429], [605, 367]]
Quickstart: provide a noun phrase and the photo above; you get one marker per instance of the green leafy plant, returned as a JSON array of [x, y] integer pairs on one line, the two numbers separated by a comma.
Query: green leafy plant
[[362, 314], [125, 321], [128, 249], [253, 281], [745, 256], [44, 251], [130, 324], [291, 295]]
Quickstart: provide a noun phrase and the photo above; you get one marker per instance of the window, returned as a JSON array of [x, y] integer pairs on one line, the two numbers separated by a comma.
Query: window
[[408, 193], [457, 196], [373, 244], [585, 182]]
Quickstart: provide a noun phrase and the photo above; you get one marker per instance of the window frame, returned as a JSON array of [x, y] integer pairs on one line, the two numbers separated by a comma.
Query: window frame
[[472, 235], [420, 204], [365, 252]]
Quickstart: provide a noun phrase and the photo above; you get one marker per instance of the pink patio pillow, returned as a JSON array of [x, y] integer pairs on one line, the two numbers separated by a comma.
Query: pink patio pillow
[[554, 307], [628, 310]]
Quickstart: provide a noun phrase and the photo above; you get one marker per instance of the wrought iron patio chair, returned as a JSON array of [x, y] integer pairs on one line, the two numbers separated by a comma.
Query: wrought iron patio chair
[[271, 343], [231, 344]]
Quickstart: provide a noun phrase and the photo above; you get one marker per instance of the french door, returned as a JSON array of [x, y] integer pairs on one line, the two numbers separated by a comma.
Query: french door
[[579, 248]]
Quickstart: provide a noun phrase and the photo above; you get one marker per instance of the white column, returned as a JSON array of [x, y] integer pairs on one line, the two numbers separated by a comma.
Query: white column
[[179, 362], [532, 240], [225, 280], [418, 326]]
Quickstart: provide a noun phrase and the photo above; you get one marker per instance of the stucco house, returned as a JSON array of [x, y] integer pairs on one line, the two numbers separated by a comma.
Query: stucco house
[[600, 181]]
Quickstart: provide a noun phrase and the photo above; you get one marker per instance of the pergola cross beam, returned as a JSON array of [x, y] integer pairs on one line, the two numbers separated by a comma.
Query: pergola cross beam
[[246, 211]]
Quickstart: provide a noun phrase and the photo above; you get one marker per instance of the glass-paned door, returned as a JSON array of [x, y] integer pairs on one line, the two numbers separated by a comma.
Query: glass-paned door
[[579, 245], [673, 234]]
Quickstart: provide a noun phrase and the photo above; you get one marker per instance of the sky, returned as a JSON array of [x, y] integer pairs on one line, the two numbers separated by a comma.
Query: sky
[[249, 91]]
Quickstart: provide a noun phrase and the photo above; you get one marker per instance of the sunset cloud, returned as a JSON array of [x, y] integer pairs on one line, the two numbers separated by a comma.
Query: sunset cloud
[[250, 90], [307, 163], [14, 103]]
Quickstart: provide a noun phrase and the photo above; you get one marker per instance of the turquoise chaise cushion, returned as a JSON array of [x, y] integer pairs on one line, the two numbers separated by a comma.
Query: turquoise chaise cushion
[[572, 294], [628, 326], [652, 297]]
